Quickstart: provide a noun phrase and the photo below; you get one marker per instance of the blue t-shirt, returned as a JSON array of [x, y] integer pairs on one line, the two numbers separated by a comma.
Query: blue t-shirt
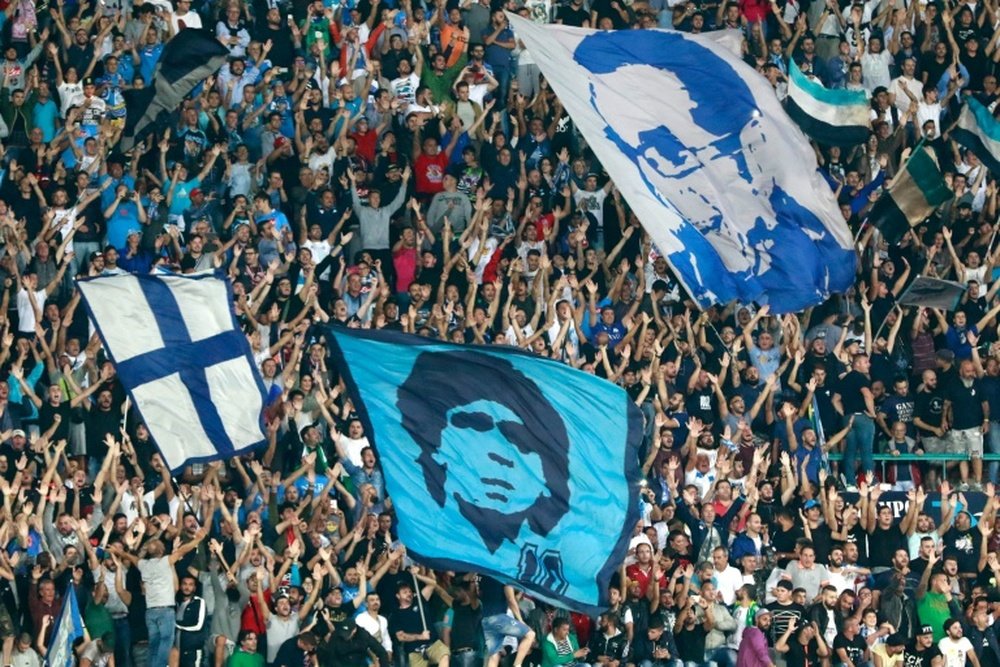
[[182, 195], [148, 57], [44, 116]]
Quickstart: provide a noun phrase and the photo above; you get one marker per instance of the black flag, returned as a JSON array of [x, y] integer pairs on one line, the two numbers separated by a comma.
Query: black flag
[[187, 59]]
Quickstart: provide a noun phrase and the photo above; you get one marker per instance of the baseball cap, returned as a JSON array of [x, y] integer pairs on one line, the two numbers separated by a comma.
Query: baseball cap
[[17, 432], [196, 192], [96, 255], [811, 503], [926, 630], [787, 585]]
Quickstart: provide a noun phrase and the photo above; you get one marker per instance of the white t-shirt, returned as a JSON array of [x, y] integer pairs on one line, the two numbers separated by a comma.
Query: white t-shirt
[[71, 95], [727, 583], [25, 313], [926, 112], [190, 20], [377, 628], [405, 88], [280, 630], [954, 652], [63, 219], [353, 447], [592, 202], [158, 581]]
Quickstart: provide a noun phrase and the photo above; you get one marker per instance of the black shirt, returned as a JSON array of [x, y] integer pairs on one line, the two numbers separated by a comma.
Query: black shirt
[[966, 404], [912, 657], [850, 392], [802, 655], [883, 545], [408, 620], [855, 648], [965, 545], [929, 408], [465, 626], [574, 17]]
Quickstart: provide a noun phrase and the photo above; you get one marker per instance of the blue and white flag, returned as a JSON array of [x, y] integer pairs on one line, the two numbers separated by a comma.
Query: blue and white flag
[[180, 354], [978, 130], [499, 461], [68, 627], [701, 148], [835, 117]]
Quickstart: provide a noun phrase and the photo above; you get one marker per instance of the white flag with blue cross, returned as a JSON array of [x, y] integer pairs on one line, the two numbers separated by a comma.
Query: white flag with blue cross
[[183, 359]]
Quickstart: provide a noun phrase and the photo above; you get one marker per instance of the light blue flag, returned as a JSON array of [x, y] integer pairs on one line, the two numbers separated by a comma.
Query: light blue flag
[[183, 359], [498, 461], [703, 152], [68, 627]]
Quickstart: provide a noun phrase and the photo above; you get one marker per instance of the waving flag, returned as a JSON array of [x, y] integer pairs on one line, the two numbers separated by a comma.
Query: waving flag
[[718, 174], [187, 60], [831, 117], [68, 627], [979, 131], [491, 455], [914, 193], [181, 356]]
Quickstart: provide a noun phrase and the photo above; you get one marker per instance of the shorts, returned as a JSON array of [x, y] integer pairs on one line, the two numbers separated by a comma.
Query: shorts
[[432, 655], [191, 657], [953, 443], [968, 441], [498, 627], [934, 445], [7, 628]]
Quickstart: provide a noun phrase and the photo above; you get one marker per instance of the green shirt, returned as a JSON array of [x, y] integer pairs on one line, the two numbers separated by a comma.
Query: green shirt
[[98, 620], [242, 659], [934, 610]]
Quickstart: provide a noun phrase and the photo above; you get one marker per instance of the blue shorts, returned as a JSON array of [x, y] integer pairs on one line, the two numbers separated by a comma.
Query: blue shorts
[[499, 627]]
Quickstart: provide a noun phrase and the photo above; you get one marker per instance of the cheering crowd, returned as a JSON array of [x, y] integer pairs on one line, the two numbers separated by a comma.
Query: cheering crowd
[[404, 166]]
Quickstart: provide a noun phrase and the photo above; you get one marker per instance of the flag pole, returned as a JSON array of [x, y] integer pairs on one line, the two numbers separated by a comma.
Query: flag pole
[[420, 601]]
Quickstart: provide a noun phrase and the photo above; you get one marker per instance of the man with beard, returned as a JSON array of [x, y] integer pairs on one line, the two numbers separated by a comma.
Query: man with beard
[[350, 646], [923, 527], [824, 614], [609, 646], [230, 600], [922, 651], [753, 647], [655, 647], [849, 648], [374, 623], [968, 411]]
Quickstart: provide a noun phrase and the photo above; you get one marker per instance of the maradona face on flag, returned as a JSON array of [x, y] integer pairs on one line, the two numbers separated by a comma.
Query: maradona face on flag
[[725, 183], [498, 461], [181, 356]]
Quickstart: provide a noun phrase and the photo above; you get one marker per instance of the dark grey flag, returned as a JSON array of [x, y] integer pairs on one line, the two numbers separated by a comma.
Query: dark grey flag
[[187, 60], [933, 293]]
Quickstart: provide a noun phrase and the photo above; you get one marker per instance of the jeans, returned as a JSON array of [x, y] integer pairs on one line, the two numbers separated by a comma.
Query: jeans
[[123, 643], [859, 440], [160, 625], [721, 656], [994, 445], [464, 658], [499, 627]]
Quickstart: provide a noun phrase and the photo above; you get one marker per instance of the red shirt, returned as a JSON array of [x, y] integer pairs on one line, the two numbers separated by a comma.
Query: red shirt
[[404, 261], [644, 577], [252, 617], [430, 173], [366, 144]]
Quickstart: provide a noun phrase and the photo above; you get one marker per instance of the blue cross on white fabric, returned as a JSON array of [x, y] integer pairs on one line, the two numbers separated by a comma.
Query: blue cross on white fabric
[[182, 358]]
